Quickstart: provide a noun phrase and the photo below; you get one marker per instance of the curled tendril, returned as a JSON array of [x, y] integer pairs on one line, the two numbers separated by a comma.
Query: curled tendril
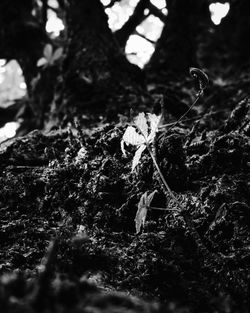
[[200, 76]]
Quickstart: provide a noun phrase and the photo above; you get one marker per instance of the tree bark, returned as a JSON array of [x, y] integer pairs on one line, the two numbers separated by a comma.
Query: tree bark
[[21, 38], [234, 32], [96, 74], [129, 27], [176, 49]]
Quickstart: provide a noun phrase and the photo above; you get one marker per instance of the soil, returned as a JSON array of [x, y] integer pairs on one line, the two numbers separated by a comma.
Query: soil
[[73, 191]]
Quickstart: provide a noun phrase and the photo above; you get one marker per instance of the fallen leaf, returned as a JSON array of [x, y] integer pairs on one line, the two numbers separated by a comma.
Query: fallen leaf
[[141, 214]]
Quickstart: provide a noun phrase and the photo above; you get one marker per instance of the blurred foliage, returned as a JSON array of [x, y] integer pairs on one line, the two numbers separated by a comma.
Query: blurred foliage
[[139, 48], [140, 45], [12, 85]]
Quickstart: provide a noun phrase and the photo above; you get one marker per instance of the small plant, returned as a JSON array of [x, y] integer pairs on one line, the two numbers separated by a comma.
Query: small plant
[[142, 135], [49, 56]]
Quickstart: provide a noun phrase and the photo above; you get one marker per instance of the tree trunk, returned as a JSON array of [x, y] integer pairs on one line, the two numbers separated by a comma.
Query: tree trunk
[[129, 27], [176, 49], [96, 75], [234, 32], [21, 38]]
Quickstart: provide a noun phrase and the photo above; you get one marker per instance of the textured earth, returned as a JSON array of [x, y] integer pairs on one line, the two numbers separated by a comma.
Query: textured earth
[[73, 190]]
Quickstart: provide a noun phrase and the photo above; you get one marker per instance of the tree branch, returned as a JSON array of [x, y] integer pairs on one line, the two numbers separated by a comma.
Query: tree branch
[[129, 27], [21, 38], [61, 4], [156, 12], [9, 114], [111, 4], [44, 12], [144, 37]]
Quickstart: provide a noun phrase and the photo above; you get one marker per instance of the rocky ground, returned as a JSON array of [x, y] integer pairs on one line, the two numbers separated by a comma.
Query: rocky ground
[[74, 190]]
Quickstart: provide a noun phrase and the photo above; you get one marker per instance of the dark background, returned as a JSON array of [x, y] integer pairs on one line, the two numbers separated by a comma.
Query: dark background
[[64, 179]]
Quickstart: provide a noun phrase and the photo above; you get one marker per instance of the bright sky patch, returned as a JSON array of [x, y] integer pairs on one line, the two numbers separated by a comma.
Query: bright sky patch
[[218, 11]]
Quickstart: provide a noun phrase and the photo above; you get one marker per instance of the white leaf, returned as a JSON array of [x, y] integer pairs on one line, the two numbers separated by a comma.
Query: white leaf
[[142, 211], [154, 121], [57, 54], [141, 123], [150, 197], [42, 62], [132, 137], [47, 51], [137, 156]]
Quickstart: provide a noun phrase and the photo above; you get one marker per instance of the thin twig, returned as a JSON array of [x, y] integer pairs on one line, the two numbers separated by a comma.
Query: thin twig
[[161, 209], [191, 118], [200, 94], [163, 179], [156, 12], [145, 37], [188, 221]]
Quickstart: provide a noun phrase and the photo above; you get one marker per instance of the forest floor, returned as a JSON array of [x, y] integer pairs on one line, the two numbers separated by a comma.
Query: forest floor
[[77, 187]]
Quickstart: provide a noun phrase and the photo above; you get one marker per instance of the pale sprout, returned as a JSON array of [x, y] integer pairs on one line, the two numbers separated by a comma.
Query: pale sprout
[[141, 135]]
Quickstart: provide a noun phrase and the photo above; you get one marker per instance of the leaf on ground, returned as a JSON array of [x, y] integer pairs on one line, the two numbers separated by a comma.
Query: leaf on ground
[[141, 214]]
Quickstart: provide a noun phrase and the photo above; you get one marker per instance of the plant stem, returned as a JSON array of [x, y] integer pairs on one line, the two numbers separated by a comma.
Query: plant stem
[[192, 118], [163, 180], [188, 221], [161, 209], [200, 93], [212, 257]]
